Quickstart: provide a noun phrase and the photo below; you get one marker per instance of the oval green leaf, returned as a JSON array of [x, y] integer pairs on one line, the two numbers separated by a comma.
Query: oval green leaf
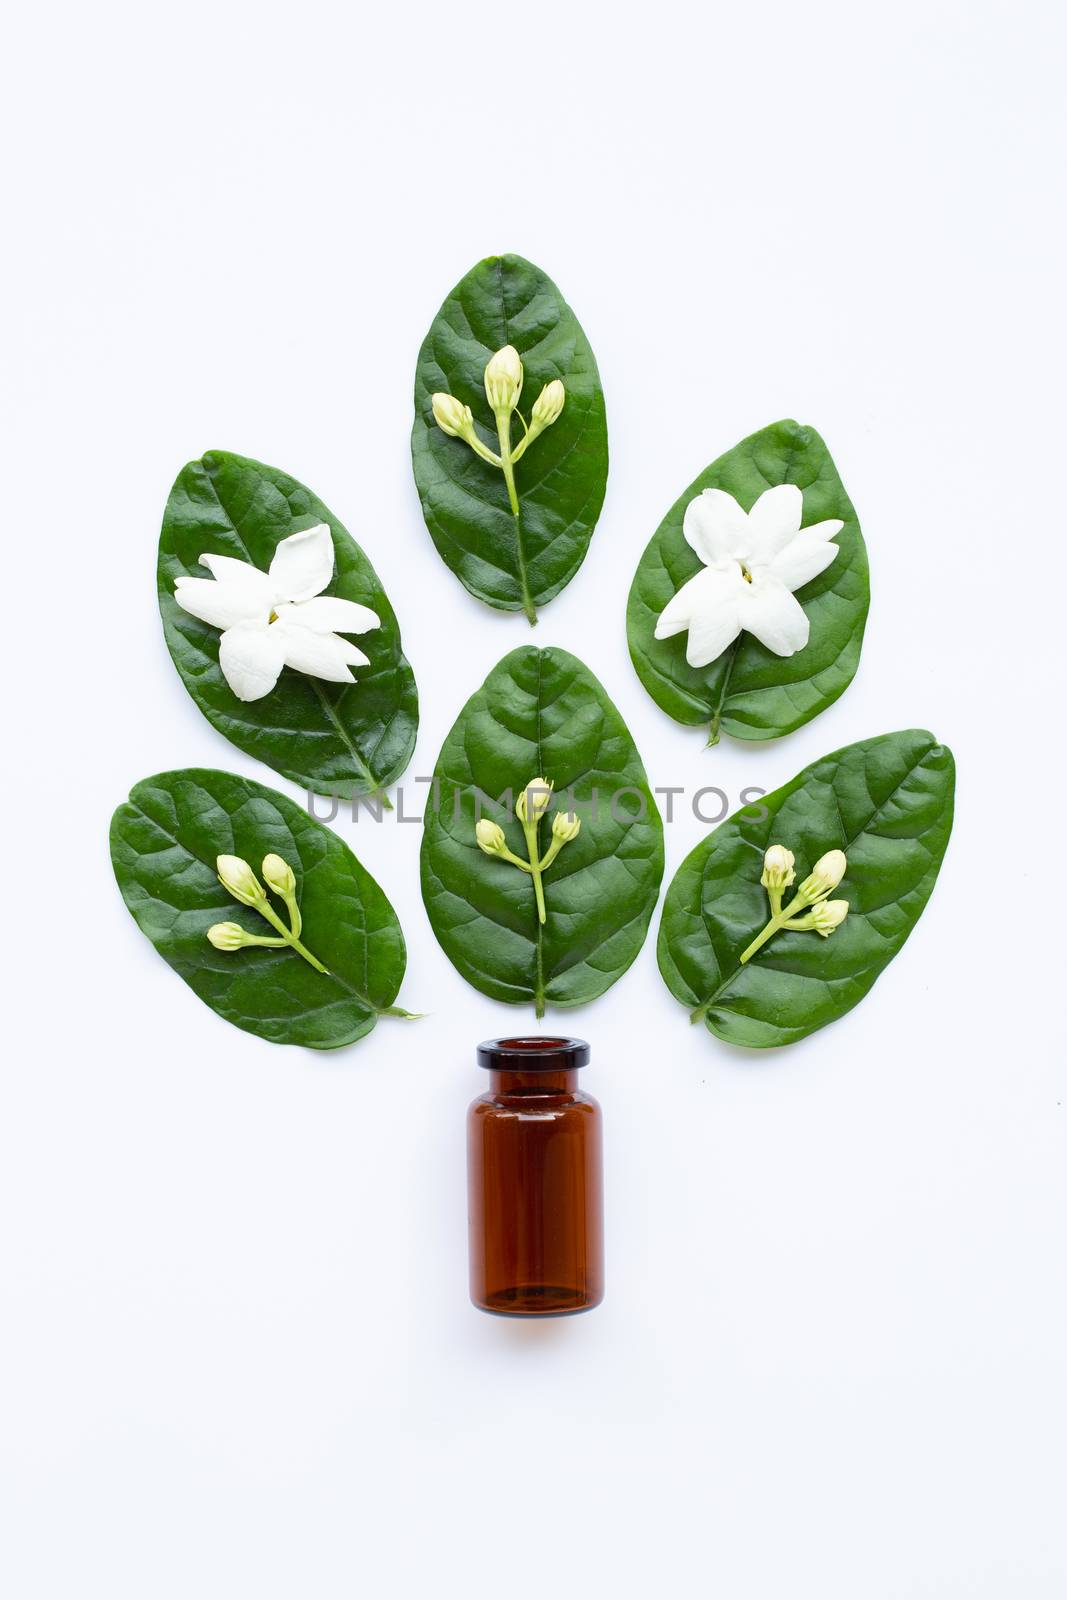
[[748, 691], [512, 563], [886, 802], [541, 713], [333, 739], [164, 843]]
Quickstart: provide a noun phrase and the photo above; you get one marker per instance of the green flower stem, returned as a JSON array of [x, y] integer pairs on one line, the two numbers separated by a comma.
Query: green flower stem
[[761, 938], [503, 432], [798, 903], [550, 854], [536, 865], [263, 938], [483, 450], [507, 463], [527, 439], [296, 921], [266, 910]]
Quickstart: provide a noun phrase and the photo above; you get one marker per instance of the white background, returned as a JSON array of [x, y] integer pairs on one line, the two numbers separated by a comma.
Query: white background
[[238, 1354]]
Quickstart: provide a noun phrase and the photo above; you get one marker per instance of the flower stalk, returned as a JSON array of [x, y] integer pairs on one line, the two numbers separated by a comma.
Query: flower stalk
[[238, 879], [503, 377]]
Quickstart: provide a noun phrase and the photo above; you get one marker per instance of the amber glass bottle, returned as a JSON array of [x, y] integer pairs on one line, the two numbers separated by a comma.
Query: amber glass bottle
[[535, 1182]]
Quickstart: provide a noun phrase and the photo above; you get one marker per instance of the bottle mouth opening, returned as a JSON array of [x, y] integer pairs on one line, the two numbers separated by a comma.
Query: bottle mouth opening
[[533, 1053]]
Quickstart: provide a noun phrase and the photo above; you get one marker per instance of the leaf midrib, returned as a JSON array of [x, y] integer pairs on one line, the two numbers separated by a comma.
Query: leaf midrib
[[531, 594]]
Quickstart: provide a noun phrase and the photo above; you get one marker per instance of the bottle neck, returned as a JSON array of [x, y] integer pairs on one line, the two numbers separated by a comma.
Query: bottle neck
[[514, 1083]]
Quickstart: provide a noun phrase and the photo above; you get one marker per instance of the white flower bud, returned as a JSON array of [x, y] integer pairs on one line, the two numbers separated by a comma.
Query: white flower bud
[[503, 379], [226, 936], [490, 836], [825, 875], [778, 871], [548, 405], [279, 875], [534, 800], [565, 826], [237, 877], [828, 915], [452, 416]]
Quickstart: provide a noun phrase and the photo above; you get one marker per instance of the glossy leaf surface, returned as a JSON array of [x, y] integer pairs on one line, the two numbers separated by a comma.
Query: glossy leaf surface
[[886, 802], [510, 563], [542, 713], [749, 691], [334, 739], [164, 843]]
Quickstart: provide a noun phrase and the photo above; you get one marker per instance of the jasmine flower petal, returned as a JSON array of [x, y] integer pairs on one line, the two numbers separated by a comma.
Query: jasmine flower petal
[[715, 526], [231, 570], [321, 655], [224, 604], [804, 557], [708, 606], [773, 521], [303, 563], [251, 657], [774, 616], [327, 614]]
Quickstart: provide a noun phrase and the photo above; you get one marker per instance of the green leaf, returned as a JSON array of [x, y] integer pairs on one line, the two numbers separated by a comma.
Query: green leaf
[[541, 713], [332, 738], [164, 843], [887, 803], [748, 691], [511, 563]]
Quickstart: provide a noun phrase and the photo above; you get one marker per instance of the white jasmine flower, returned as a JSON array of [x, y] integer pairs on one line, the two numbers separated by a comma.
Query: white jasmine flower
[[548, 405], [237, 877], [566, 826], [503, 379], [829, 915], [452, 416], [753, 561], [778, 868], [825, 875], [280, 618], [490, 836], [279, 875], [534, 800]]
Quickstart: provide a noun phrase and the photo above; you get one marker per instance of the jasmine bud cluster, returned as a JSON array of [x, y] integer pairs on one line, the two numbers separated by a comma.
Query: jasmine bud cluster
[[533, 803], [238, 879], [811, 910]]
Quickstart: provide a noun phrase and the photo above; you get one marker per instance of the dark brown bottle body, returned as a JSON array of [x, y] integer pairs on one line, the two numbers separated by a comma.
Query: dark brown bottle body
[[535, 1182]]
